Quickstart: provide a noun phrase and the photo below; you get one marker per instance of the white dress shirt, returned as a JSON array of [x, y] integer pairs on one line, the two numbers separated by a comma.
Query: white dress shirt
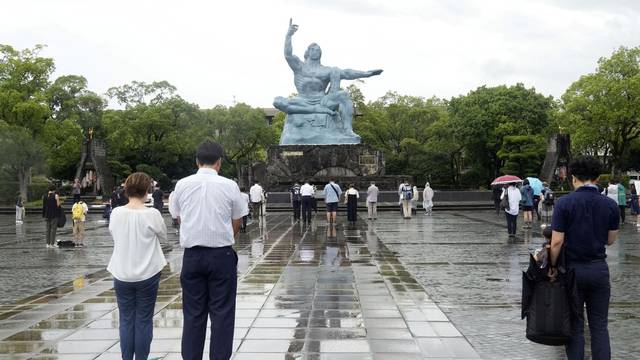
[[307, 190], [255, 193], [136, 233], [206, 204], [514, 200]]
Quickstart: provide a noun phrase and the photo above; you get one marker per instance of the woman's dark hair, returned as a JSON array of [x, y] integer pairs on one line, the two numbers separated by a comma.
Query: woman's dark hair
[[585, 168], [52, 187], [209, 152], [525, 182], [547, 232], [137, 185]]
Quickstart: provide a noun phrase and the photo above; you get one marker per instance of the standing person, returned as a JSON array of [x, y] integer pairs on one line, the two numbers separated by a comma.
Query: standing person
[[158, 198], [527, 204], [622, 201], [415, 199], [427, 199], [513, 196], [372, 201], [547, 201], [245, 199], [256, 195], [332, 194], [352, 195], [76, 190], [496, 192], [583, 223], [135, 264], [210, 209], [296, 200], [307, 194], [19, 210], [611, 191], [51, 212], [405, 191], [79, 216], [315, 199], [635, 206]]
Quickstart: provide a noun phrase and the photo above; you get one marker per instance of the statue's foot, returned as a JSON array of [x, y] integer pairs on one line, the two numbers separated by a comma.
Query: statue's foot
[[325, 110]]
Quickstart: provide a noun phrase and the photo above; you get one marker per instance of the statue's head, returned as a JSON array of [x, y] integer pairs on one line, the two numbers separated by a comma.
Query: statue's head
[[313, 52]]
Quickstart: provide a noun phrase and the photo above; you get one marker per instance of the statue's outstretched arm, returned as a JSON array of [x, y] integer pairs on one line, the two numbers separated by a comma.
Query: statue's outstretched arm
[[293, 61], [350, 74]]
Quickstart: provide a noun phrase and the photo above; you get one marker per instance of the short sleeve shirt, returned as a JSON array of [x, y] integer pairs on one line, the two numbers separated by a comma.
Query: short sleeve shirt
[[585, 217]]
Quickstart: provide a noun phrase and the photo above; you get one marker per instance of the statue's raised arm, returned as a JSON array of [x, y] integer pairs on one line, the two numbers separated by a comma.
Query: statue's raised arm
[[349, 74], [293, 61]]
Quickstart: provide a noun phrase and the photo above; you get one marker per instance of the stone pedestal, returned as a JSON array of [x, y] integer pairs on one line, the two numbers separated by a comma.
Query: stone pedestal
[[356, 163]]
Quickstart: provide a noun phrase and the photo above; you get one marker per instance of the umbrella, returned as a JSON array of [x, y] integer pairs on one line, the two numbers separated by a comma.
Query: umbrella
[[505, 179], [536, 184]]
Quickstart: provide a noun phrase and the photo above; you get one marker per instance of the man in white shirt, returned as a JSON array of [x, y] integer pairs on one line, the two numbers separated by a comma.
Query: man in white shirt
[[256, 195], [372, 201], [210, 210], [307, 192], [514, 196]]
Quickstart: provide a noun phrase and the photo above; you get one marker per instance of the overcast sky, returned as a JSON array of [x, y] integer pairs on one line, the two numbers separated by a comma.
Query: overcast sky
[[215, 50]]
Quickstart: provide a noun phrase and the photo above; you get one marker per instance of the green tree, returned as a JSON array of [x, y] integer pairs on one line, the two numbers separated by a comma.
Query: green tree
[[158, 133], [20, 154], [602, 109], [243, 133], [523, 155], [484, 117]]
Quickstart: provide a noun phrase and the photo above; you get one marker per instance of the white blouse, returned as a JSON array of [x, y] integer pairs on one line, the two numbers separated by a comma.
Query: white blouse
[[136, 233]]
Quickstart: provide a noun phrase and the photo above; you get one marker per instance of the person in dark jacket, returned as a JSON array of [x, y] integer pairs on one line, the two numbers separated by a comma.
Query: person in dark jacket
[[527, 204], [50, 212], [585, 222], [158, 198]]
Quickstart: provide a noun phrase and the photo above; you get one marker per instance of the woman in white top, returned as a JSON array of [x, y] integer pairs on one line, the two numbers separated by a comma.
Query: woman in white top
[[135, 265]]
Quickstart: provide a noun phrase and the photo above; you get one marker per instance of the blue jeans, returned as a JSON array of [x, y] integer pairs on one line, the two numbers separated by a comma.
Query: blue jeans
[[209, 285], [594, 291], [136, 301]]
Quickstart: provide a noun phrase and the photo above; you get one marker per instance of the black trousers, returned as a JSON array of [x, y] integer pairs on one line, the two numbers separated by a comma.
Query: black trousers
[[623, 209], [511, 223], [209, 285], [296, 209], [307, 204]]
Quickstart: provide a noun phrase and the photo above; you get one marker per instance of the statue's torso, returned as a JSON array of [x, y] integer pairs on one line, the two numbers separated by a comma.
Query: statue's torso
[[312, 81]]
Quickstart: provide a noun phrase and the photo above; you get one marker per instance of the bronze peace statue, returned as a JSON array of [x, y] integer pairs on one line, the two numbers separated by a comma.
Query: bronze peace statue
[[321, 113]]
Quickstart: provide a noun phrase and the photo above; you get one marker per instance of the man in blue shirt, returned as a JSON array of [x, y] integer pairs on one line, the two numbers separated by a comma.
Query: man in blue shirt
[[585, 222], [332, 194]]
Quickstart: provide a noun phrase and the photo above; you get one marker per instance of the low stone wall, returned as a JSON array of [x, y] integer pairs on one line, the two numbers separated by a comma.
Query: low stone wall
[[392, 196]]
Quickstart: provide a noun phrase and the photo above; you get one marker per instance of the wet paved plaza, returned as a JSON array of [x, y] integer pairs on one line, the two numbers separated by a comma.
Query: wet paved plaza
[[445, 287]]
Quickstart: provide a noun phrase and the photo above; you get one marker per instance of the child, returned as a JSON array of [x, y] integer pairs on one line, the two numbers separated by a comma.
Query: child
[[79, 212], [541, 255]]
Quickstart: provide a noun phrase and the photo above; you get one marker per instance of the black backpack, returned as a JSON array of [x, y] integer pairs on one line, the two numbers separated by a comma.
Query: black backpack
[[548, 198]]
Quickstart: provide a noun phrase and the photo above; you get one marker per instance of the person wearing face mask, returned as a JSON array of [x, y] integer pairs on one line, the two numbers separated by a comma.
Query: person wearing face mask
[[584, 222]]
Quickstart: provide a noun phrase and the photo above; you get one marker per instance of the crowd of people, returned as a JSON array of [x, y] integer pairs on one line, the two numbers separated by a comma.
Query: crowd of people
[[211, 210], [304, 199]]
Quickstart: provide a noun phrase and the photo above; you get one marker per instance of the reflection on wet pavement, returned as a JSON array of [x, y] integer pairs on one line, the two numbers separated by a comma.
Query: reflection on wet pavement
[[311, 292], [473, 271]]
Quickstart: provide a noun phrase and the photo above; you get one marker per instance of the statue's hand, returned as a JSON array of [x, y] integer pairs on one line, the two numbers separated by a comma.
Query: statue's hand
[[292, 27], [375, 72]]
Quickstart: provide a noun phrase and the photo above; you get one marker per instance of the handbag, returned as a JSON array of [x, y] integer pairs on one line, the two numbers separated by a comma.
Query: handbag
[[549, 307], [504, 203], [62, 218]]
